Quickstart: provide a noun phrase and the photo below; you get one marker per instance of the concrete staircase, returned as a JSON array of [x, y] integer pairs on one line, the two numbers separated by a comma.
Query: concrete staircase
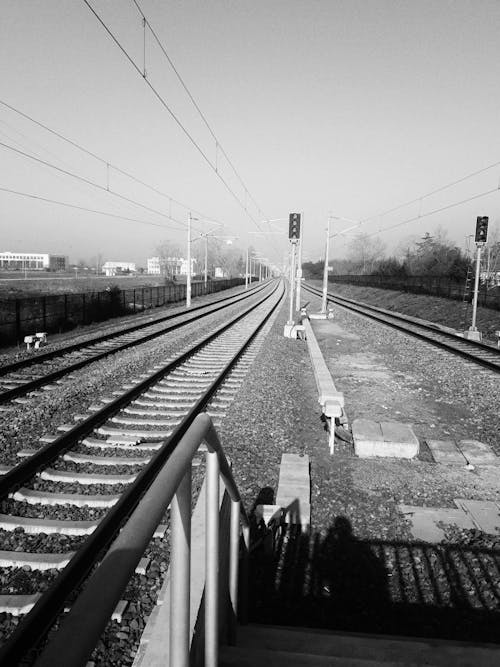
[[274, 646]]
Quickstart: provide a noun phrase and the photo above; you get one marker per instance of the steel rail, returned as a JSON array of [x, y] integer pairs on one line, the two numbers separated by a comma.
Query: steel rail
[[468, 349], [25, 388], [37, 622], [59, 352]]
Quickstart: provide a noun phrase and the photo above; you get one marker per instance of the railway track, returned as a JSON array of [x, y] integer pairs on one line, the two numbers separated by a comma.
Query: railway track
[[85, 482], [32, 374], [475, 352]]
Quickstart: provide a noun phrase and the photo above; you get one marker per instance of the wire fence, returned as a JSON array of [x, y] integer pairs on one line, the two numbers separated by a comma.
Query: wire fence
[[61, 312], [434, 285]]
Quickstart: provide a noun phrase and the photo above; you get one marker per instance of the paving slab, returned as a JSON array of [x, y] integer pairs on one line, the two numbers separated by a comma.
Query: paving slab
[[484, 513], [386, 439], [477, 452], [424, 521], [294, 489], [446, 451]]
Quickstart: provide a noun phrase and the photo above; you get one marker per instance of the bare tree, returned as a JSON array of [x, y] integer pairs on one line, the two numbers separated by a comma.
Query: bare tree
[[364, 251], [167, 250]]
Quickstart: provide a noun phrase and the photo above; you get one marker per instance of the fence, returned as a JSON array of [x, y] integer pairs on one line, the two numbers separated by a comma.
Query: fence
[[435, 285], [61, 312]]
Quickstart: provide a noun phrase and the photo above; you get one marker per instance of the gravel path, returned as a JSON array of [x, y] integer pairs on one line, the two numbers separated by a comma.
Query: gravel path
[[360, 570]]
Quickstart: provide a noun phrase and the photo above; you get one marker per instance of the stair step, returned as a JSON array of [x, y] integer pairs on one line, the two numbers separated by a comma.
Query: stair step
[[384, 648], [250, 657]]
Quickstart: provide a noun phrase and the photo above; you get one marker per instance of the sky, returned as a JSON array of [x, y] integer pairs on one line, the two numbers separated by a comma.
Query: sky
[[340, 109]]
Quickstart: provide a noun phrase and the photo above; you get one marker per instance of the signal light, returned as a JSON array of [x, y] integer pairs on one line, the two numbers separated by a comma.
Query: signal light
[[294, 227], [481, 229]]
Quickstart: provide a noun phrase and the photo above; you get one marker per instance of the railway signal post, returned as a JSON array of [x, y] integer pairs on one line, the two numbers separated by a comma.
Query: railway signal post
[[480, 239], [294, 236]]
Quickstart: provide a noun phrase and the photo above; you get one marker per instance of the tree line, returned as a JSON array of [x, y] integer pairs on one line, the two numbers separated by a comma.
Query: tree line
[[430, 255]]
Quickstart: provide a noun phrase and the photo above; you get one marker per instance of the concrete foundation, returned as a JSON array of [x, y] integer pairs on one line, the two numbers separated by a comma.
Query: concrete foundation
[[387, 439]]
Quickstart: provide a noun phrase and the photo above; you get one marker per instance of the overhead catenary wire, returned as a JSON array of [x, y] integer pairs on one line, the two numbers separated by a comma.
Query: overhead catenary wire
[[89, 182], [421, 198], [84, 208], [433, 212], [434, 192], [106, 163], [176, 119], [218, 145]]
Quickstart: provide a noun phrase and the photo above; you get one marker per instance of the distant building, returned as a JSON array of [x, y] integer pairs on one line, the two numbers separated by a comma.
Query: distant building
[[24, 260], [169, 266], [33, 261], [220, 273], [117, 268], [154, 266], [58, 262]]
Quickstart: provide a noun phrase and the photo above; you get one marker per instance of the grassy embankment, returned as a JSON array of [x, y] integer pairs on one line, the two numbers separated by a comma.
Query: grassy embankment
[[447, 312]]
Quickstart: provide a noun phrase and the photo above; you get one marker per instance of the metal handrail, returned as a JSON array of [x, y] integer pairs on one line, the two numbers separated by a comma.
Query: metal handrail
[[70, 647]]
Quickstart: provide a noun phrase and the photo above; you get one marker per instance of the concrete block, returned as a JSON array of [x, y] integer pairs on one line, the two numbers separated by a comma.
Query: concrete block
[[294, 489], [332, 409], [477, 452], [446, 451], [484, 513], [331, 394], [424, 521], [385, 439]]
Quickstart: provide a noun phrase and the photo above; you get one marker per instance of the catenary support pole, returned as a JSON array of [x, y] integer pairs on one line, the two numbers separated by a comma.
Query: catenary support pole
[[188, 277], [206, 260], [246, 271], [325, 270]]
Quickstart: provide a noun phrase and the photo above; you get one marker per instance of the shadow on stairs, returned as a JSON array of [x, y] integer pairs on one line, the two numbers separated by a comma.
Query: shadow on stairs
[[274, 646]]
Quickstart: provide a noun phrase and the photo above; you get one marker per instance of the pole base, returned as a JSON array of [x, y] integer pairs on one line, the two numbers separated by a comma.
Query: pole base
[[473, 334], [318, 316]]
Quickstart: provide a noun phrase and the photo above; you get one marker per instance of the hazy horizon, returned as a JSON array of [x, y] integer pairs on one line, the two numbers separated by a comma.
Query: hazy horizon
[[346, 109]]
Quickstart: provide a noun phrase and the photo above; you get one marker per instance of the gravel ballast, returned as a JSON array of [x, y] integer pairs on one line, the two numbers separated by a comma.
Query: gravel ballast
[[359, 570], [356, 526]]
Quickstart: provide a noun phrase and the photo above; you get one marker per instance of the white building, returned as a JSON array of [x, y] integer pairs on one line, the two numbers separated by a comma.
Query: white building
[[169, 266], [116, 268], [154, 266], [24, 260], [220, 273]]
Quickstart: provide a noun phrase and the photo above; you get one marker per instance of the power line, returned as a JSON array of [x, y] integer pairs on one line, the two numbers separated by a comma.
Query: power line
[[89, 182], [101, 159], [437, 210], [83, 208], [172, 114], [218, 144], [433, 192]]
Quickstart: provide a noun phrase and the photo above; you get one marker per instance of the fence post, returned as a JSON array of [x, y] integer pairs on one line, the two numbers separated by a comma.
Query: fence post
[[66, 309], [83, 308], [44, 312], [134, 299], [143, 299]]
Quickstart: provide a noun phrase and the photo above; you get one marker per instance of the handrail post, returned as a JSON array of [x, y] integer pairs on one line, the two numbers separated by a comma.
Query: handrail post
[[180, 563], [212, 562], [234, 544], [243, 613]]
